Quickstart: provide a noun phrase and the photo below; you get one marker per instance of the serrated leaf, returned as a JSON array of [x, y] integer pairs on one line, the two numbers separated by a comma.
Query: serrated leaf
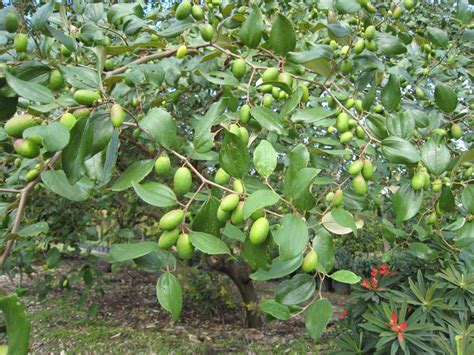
[[57, 182], [80, 78], [435, 156], [278, 268], [275, 309], [389, 44], [268, 119], [298, 289], [400, 151], [125, 252], [437, 36]]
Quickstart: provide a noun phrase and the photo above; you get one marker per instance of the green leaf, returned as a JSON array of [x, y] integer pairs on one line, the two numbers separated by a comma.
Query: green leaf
[[299, 191], [345, 276], [63, 38], [206, 219], [319, 51], [80, 78], [34, 229], [391, 94], [292, 102], [110, 159], [57, 182], [221, 78], [465, 157], [435, 156], [125, 252], [155, 261], [318, 116], [234, 156], [299, 158], [17, 323], [155, 194], [322, 244], [438, 37], [275, 309], [134, 174], [264, 158], [406, 202], [282, 36], [233, 232], [77, 150], [446, 200], [344, 218], [28, 89], [41, 16], [208, 244], [267, 118], [347, 6], [422, 251], [161, 126], [279, 268], [467, 198], [297, 290], [251, 31], [400, 151], [389, 44], [291, 237], [259, 199], [55, 136], [316, 318], [401, 125], [176, 28], [445, 98], [170, 294]]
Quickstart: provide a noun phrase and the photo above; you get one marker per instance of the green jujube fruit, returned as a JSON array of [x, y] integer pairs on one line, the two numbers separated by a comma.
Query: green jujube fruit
[[21, 42], [239, 68], [342, 122], [338, 198], [32, 174], [17, 124], [346, 137], [168, 238], [68, 119], [229, 202], [197, 12], [26, 148], [359, 46], [456, 131], [162, 166], [370, 32], [356, 167], [244, 135], [418, 181], [207, 32], [270, 74], [222, 215], [184, 247], [182, 181], [238, 186], [437, 185], [56, 80], [86, 97], [244, 113], [259, 231], [117, 115], [11, 22], [368, 169], [171, 219], [237, 215], [221, 178], [360, 185], [81, 113], [183, 10], [310, 261]]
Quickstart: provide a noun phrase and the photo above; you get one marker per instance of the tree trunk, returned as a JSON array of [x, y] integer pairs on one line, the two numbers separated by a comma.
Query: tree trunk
[[239, 273]]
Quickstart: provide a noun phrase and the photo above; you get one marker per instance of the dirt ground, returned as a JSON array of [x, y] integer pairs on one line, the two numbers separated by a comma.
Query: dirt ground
[[130, 320]]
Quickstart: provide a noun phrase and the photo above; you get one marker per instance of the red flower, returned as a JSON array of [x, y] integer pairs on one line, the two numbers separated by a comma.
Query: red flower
[[401, 338], [343, 314], [403, 326], [374, 282], [365, 284], [384, 269], [373, 272], [399, 329], [394, 319]]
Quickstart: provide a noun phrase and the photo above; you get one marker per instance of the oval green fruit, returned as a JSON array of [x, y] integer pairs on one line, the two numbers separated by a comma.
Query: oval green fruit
[[259, 231], [32, 174], [356, 167], [346, 137], [86, 97], [182, 181], [109, 65], [437, 185], [238, 186], [68, 119], [267, 101], [184, 247], [56, 80], [368, 169], [285, 78], [26, 148], [21, 43], [168, 238], [342, 122], [183, 10], [244, 114], [244, 135], [162, 165], [338, 198], [409, 4], [418, 181], [229, 202], [81, 113], [197, 12], [276, 92], [257, 214], [171, 219], [431, 218], [234, 129], [222, 215], [237, 215], [370, 32], [181, 52], [349, 103], [359, 46], [360, 185], [221, 178], [305, 96], [207, 32], [270, 74], [117, 115], [360, 133], [346, 66], [17, 124], [11, 22], [468, 172], [310, 261], [65, 51], [456, 131], [397, 12], [239, 68]]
